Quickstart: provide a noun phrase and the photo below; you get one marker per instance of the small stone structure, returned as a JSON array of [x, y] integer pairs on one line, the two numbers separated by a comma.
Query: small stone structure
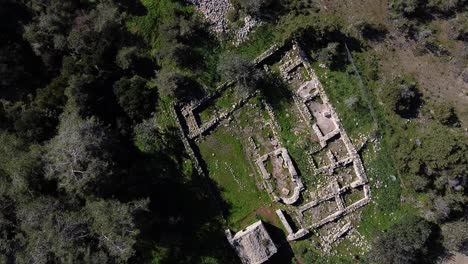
[[253, 244], [291, 234], [287, 163], [189, 111]]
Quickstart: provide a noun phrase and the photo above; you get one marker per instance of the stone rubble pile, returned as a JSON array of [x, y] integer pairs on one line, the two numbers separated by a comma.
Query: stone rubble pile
[[242, 33], [215, 12]]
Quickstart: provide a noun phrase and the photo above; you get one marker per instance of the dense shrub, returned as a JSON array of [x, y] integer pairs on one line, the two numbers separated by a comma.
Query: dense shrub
[[402, 97], [406, 242]]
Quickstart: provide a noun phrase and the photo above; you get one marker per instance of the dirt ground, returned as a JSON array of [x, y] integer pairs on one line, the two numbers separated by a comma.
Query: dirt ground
[[266, 213], [439, 77]]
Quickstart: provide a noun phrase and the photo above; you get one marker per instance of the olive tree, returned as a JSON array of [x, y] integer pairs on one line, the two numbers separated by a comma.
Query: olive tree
[[78, 157], [113, 224], [242, 71], [406, 242]]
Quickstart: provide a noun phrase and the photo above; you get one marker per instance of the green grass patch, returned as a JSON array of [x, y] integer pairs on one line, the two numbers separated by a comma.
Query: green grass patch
[[342, 89], [233, 173]]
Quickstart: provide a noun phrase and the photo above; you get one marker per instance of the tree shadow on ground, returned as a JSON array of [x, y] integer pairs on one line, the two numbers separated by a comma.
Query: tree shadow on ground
[[285, 253], [184, 223], [276, 91]]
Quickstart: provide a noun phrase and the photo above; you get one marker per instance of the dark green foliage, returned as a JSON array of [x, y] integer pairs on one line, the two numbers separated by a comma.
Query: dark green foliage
[[173, 84], [113, 224], [406, 242], [434, 157], [135, 97], [52, 97], [408, 15], [20, 165], [58, 171], [92, 33], [47, 32], [126, 57], [455, 236], [148, 138], [27, 120], [445, 6]]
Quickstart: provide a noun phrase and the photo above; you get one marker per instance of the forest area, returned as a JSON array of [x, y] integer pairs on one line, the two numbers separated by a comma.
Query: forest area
[[92, 166]]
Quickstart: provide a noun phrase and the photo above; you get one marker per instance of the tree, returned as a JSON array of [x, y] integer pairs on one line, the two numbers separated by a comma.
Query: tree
[[135, 97], [126, 57], [112, 222], [406, 242], [173, 84], [79, 157], [53, 232], [435, 158], [48, 30], [147, 137], [455, 236], [93, 32], [20, 166], [242, 71]]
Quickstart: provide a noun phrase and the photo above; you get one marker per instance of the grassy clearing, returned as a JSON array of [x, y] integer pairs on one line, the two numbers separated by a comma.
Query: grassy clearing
[[233, 173], [342, 89], [221, 104]]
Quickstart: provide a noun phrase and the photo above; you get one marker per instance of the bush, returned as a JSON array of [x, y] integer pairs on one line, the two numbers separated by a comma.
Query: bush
[[134, 96], [402, 97], [444, 113], [406, 242], [126, 57], [405, 8], [455, 236], [173, 84], [460, 26], [328, 55], [242, 71]]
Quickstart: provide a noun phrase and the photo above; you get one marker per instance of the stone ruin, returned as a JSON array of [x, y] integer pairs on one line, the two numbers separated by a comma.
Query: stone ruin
[[253, 245], [335, 156], [196, 127], [290, 185], [315, 109]]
